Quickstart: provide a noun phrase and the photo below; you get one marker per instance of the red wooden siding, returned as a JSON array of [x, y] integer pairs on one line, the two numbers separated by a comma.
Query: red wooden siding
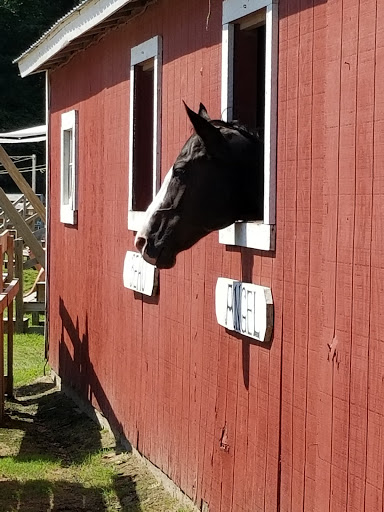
[[244, 427]]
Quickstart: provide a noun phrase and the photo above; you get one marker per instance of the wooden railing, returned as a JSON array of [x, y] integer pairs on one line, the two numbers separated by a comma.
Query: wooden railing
[[11, 214], [22, 228], [9, 287], [29, 303]]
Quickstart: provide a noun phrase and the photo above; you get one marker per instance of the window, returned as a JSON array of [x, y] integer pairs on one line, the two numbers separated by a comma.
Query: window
[[144, 128], [68, 196], [250, 49]]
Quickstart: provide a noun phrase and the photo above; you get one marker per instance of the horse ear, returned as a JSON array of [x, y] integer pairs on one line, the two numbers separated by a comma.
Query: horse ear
[[203, 112], [210, 135]]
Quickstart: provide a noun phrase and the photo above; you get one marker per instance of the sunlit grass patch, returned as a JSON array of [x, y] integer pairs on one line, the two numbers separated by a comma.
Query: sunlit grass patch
[[41, 482], [29, 277], [53, 457], [27, 469], [92, 472], [28, 358]]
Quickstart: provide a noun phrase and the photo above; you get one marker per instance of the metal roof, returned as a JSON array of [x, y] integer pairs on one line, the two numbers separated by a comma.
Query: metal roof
[[58, 22], [82, 26], [34, 134]]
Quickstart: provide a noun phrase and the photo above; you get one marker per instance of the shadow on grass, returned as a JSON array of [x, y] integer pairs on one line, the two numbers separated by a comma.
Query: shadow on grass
[[52, 430], [35, 388], [67, 435], [43, 495]]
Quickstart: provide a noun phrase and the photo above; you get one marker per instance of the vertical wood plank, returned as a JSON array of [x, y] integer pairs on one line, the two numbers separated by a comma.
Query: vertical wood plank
[[375, 457], [290, 194], [2, 307], [357, 455]]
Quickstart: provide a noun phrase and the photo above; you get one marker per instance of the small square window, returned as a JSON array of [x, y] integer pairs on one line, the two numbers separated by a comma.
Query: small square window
[[144, 128], [68, 196], [249, 94]]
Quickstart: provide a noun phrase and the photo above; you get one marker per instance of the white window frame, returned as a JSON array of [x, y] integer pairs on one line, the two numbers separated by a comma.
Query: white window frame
[[260, 234], [68, 210], [150, 49]]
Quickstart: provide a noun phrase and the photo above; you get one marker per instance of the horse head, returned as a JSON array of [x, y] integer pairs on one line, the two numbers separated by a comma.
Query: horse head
[[216, 179]]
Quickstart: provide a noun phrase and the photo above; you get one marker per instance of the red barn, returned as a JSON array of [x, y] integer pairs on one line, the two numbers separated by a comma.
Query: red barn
[[239, 425]]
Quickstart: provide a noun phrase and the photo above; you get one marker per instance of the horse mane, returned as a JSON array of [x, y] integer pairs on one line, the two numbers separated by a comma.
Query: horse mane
[[195, 146], [239, 127]]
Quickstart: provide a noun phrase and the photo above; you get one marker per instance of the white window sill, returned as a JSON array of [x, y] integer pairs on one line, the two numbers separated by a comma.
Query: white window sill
[[255, 235], [135, 220], [67, 215]]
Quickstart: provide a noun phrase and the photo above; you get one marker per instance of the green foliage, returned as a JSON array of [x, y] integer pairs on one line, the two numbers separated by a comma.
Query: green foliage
[[22, 105], [22, 22]]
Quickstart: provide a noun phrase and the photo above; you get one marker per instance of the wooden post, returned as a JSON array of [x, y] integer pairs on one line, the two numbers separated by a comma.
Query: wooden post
[[10, 329], [35, 318], [22, 184], [2, 379], [34, 173], [8, 290], [22, 228], [19, 274]]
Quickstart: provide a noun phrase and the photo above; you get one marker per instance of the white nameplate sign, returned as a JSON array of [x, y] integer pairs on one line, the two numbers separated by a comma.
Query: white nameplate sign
[[139, 275], [244, 308]]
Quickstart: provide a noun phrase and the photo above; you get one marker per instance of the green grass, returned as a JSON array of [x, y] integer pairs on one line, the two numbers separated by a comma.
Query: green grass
[[29, 349], [53, 455], [91, 473], [28, 362], [29, 277], [35, 483], [28, 358], [23, 470]]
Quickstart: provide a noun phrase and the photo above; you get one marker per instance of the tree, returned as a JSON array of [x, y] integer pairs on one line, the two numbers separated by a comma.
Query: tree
[[22, 22]]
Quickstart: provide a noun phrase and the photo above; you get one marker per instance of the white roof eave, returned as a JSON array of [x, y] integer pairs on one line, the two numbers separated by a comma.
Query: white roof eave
[[27, 132], [34, 134], [81, 19], [23, 140]]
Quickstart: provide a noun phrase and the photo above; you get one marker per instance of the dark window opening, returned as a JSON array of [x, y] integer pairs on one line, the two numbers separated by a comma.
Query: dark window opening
[[249, 89], [249, 77], [142, 175]]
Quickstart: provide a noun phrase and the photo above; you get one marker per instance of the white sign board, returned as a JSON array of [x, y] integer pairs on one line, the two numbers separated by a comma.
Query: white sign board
[[244, 308], [139, 275]]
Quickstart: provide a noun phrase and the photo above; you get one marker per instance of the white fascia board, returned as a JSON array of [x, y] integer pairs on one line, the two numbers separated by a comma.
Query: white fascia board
[[35, 131], [22, 140], [77, 23]]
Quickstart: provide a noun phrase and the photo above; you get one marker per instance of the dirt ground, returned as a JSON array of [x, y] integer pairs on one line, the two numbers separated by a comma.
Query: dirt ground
[[54, 458]]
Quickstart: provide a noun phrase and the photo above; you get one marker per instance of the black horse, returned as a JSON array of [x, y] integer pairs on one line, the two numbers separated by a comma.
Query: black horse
[[216, 180]]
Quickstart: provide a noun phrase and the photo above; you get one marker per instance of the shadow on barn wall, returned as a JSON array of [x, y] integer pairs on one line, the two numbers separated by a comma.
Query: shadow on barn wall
[[184, 32], [79, 371], [247, 263], [201, 30], [290, 7]]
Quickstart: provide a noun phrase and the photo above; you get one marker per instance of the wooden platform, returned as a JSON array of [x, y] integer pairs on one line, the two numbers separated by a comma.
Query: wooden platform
[[32, 304]]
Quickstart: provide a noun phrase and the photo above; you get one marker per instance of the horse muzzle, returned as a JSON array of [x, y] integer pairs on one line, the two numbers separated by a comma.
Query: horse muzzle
[[141, 243], [159, 257]]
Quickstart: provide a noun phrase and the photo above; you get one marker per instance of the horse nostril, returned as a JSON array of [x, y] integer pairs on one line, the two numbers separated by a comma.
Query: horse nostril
[[140, 243]]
